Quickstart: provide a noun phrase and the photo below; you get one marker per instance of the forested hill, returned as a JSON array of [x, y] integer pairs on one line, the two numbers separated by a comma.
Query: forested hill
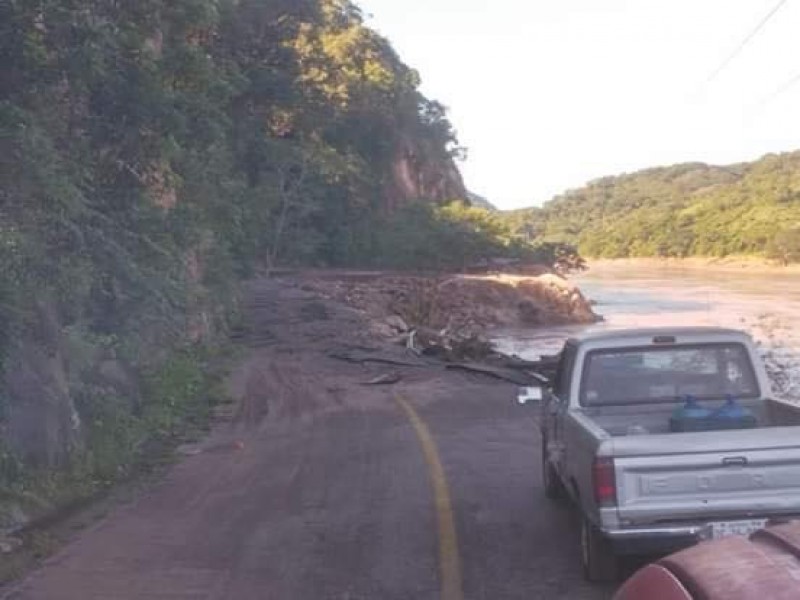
[[209, 117], [683, 210], [153, 153]]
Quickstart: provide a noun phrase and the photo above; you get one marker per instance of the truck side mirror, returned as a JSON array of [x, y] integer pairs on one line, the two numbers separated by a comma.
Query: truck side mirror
[[530, 395]]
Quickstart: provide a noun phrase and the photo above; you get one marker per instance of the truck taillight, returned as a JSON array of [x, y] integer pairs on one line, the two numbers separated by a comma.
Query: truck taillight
[[604, 482]]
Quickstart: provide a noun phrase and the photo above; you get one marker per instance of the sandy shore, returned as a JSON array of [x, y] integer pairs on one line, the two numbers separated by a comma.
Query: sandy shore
[[740, 264]]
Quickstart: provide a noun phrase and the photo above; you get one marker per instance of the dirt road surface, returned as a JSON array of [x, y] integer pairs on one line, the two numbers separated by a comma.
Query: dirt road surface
[[321, 487]]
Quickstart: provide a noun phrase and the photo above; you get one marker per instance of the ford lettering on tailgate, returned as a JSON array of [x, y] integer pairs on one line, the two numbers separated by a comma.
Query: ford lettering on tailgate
[[667, 485]]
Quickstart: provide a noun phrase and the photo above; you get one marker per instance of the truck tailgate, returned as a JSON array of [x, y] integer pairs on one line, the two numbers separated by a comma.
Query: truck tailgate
[[702, 484]]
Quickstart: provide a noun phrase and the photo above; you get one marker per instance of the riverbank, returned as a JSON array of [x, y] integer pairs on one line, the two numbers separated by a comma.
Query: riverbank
[[734, 264], [466, 304]]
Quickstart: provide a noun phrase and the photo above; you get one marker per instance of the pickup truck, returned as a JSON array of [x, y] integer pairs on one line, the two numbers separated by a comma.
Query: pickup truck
[[641, 488]]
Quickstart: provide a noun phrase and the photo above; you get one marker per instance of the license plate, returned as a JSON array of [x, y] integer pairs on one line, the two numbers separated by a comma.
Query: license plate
[[721, 529]]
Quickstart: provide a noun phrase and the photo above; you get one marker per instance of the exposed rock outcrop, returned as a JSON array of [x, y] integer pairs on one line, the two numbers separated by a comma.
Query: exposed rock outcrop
[[418, 173], [42, 423]]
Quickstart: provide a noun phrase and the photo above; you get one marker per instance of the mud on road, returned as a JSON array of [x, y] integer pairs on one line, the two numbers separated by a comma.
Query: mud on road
[[319, 486]]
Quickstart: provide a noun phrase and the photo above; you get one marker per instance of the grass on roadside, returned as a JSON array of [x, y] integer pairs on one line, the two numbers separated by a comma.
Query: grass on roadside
[[125, 445]]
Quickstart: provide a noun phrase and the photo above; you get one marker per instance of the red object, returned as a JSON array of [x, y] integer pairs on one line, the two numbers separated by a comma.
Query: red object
[[765, 566], [653, 582], [604, 482]]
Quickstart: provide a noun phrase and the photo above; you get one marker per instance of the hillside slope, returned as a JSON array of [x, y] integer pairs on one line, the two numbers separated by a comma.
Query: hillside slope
[[152, 155], [480, 201], [690, 209]]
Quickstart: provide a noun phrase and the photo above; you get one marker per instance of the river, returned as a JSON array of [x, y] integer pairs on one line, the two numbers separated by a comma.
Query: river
[[766, 304]]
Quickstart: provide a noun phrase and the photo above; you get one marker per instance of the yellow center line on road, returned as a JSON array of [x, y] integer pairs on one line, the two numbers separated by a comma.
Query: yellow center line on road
[[449, 561]]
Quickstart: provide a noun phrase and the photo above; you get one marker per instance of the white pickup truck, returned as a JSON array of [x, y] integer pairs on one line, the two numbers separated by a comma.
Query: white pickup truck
[[609, 442]]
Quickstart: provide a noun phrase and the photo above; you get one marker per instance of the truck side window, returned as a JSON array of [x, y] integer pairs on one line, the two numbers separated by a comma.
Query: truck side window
[[564, 373]]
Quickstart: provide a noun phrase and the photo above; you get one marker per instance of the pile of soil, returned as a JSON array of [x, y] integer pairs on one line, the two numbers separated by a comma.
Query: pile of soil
[[467, 305]]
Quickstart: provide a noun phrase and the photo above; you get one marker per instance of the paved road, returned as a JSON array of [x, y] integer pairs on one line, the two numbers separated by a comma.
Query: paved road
[[340, 503]]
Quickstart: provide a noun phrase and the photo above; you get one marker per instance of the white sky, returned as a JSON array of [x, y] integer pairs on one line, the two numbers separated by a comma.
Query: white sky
[[547, 94]]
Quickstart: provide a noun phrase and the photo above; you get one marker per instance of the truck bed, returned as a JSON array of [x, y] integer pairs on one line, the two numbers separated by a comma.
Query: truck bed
[[637, 420], [677, 477]]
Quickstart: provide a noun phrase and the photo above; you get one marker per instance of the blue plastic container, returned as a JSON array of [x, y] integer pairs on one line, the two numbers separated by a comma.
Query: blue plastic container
[[733, 415], [690, 417]]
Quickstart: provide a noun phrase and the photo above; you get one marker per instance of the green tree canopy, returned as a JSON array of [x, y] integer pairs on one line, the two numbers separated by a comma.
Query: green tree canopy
[[683, 210]]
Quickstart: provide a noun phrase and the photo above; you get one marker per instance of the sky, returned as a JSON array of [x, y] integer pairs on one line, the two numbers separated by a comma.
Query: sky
[[549, 94]]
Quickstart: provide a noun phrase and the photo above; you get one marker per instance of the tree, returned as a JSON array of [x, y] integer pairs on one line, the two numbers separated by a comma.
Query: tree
[[154, 152], [676, 211], [785, 246]]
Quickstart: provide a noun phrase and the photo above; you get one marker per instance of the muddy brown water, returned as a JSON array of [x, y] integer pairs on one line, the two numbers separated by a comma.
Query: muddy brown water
[[765, 304]]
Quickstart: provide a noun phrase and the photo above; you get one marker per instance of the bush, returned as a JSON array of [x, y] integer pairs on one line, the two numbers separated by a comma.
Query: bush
[[785, 246], [457, 236]]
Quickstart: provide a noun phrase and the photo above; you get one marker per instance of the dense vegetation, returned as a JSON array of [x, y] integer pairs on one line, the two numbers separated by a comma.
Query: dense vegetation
[[683, 210], [152, 154], [138, 136], [458, 236]]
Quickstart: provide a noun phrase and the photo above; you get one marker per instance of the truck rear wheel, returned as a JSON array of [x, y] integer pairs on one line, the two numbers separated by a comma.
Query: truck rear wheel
[[600, 564], [553, 487]]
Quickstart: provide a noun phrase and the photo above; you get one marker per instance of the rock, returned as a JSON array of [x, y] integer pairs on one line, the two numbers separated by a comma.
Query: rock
[[381, 329], [528, 312], [471, 348], [42, 424], [12, 518], [8, 545], [189, 450], [397, 323]]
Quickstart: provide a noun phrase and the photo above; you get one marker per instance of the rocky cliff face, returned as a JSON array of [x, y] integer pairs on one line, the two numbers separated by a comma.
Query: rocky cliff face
[[419, 173], [42, 423]]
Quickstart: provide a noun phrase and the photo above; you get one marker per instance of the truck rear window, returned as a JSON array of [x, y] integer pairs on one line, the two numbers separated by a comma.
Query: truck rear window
[[667, 374]]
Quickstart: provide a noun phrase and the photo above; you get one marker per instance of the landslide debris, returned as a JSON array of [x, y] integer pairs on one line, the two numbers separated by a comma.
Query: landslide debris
[[448, 316]]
